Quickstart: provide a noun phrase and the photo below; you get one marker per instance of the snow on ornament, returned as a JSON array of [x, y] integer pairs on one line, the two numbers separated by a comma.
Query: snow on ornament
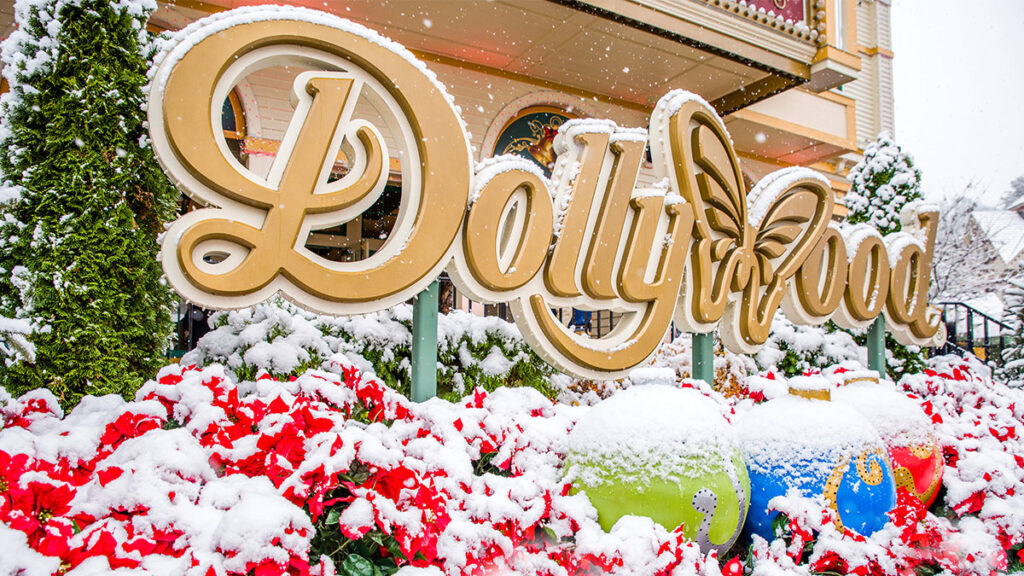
[[910, 441], [665, 453], [803, 442]]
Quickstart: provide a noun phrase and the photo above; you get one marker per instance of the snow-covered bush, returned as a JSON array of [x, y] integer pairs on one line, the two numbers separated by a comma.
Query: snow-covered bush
[[325, 474], [671, 364], [284, 340], [82, 199], [1012, 370], [794, 349], [979, 423], [791, 350], [903, 360]]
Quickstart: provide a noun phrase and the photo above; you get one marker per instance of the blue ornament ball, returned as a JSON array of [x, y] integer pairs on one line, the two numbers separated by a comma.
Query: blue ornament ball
[[804, 442]]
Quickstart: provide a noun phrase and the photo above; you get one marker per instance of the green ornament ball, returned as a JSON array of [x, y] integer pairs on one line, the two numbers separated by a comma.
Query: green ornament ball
[[665, 453]]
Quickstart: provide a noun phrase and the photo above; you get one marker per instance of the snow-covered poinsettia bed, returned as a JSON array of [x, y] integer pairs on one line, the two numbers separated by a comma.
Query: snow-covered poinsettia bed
[[200, 475]]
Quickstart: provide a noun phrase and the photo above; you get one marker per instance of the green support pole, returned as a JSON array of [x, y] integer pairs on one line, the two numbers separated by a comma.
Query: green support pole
[[703, 353], [876, 346], [424, 344]]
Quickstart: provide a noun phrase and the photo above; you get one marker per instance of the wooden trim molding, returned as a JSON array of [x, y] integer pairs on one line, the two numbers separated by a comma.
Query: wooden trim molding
[[876, 51], [794, 128], [208, 7], [830, 52], [236, 109]]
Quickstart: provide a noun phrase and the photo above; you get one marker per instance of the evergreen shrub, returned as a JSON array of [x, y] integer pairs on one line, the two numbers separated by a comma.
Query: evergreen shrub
[[881, 184], [1012, 370], [82, 199]]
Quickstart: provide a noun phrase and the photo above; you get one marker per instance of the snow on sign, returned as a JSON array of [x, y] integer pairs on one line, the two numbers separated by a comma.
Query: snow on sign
[[698, 249]]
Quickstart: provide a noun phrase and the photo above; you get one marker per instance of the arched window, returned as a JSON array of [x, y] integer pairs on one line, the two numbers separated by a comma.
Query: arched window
[[232, 121], [531, 134]]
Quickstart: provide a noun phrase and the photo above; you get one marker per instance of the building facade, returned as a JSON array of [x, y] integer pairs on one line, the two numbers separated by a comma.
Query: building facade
[[798, 82]]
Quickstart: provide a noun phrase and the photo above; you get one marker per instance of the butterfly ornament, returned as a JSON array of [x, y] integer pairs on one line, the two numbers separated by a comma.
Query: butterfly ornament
[[741, 259]]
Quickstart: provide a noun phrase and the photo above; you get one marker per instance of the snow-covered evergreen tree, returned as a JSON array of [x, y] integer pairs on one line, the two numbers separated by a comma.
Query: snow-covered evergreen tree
[[82, 198], [881, 185], [1013, 315]]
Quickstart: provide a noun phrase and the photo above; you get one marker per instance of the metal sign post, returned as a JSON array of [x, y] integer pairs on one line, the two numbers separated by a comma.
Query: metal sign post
[[703, 357], [424, 344], [876, 346]]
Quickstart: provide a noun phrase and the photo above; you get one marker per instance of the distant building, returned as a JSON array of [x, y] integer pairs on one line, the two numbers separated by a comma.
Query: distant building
[[1003, 230], [1017, 206]]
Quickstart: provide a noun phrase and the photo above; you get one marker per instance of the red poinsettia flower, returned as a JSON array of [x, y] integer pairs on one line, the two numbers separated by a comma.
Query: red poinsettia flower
[[972, 505], [830, 562], [11, 469], [128, 425], [36, 510], [733, 567], [53, 537]]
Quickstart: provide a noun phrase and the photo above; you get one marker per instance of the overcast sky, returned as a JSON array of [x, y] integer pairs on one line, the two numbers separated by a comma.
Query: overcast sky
[[959, 83]]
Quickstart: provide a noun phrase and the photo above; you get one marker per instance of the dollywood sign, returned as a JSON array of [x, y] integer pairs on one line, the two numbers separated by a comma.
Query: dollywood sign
[[697, 249]]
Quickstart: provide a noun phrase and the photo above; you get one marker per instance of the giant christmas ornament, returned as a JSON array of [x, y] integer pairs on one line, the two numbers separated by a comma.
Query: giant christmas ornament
[[803, 441], [665, 453], [913, 449]]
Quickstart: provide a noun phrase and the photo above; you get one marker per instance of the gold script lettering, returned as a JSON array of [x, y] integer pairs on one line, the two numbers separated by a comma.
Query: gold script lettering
[[261, 225], [697, 247]]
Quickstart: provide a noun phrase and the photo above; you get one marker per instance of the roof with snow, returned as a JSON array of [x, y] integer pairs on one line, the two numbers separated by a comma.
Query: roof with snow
[[1004, 229], [1017, 204]]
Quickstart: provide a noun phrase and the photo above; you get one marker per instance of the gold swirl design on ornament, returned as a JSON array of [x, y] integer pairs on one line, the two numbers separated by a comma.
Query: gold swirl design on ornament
[[922, 451], [832, 489], [871, 472], [936, 472], [904, 479]]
